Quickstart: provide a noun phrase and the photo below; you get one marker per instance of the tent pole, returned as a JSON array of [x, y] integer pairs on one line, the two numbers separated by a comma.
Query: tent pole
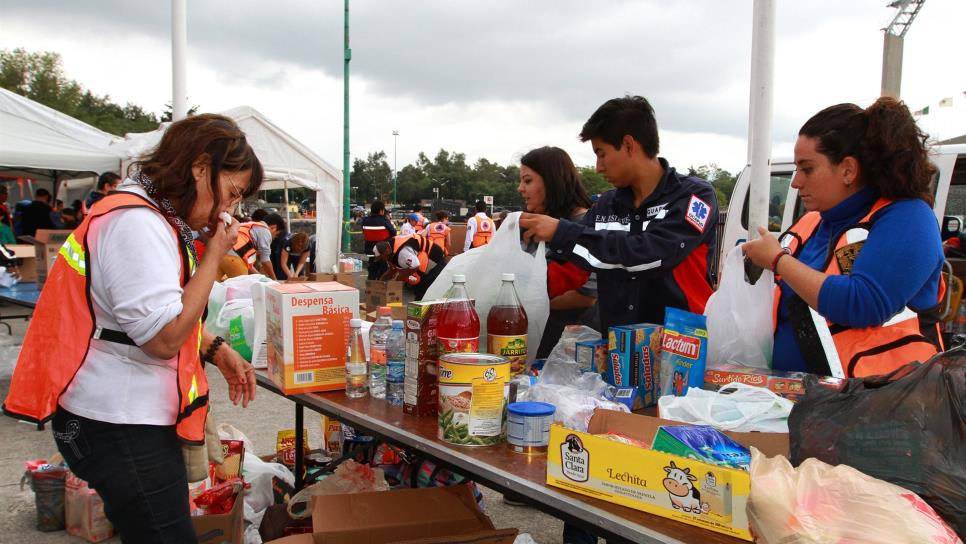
[[288, 214], [346, 195]]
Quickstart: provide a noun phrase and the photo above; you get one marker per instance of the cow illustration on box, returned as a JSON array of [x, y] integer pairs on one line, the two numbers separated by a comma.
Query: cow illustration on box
[[684, 495]]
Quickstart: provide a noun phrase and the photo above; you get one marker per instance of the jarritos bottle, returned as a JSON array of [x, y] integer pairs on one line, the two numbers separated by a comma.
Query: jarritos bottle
[[506, 327], [458, 328]]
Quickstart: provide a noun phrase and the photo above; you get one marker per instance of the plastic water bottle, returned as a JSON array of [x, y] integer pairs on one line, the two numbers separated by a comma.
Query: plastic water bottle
[[377, 352], [355, 362], [395, 363]]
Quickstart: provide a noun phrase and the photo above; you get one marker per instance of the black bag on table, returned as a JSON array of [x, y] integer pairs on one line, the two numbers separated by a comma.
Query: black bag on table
[[907, 428]]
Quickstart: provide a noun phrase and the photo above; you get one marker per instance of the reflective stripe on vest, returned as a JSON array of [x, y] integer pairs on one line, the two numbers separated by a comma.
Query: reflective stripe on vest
[[484, 230], [851, 352], [375, 234], [62, 327]]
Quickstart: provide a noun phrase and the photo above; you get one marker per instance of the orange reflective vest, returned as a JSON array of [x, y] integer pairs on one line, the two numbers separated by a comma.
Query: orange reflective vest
[[484, 230], [63, 325], [420, 243], [849, 352], [438, 233], [245, 244]]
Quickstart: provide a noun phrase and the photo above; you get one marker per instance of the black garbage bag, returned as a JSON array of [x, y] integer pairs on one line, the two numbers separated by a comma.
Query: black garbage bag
[[907, 428]]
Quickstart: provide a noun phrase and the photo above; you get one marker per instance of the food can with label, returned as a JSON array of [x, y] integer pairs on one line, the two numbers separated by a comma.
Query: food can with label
[[528, 427], [473, 392]]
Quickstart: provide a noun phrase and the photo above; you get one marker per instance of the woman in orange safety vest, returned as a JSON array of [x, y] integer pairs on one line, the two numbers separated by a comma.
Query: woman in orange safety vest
[[115, 351], [438, 231], [859, 275]]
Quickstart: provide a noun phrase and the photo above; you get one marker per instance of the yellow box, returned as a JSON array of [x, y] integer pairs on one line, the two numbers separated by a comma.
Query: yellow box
[[701, 494], [307, 334]]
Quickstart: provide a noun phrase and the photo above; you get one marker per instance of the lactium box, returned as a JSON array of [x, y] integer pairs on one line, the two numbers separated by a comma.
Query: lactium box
[[308, 332]]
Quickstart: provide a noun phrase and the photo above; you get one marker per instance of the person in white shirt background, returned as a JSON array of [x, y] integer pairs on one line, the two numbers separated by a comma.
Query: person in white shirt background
[[479, 228], [409, 226], [119, 421]]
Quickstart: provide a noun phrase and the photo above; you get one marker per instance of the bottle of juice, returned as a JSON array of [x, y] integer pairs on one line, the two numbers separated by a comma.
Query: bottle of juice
[[356, 372], [458, 328], [506, 327]]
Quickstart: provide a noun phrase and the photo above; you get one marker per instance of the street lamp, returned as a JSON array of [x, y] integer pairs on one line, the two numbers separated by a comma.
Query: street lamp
[[395, 138]]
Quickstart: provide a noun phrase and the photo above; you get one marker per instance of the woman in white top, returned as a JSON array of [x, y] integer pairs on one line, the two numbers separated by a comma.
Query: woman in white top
[[119, 420]]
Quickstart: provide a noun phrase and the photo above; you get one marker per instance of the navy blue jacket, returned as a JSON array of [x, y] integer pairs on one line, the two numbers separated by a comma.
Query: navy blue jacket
[[647, 258]]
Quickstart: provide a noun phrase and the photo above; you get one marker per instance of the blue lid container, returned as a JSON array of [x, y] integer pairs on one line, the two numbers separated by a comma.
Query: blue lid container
[[532, 409]]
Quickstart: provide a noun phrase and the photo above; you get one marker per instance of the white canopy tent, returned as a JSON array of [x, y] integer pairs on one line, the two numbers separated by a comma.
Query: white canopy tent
[[41, 143], [286, 162]]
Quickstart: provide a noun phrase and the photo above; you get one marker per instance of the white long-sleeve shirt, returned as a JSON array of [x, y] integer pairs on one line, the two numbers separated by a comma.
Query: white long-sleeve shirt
[[136, 288], [471, 226]]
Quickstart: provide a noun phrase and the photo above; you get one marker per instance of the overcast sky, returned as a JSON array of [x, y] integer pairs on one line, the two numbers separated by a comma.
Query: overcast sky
[[496, 78]]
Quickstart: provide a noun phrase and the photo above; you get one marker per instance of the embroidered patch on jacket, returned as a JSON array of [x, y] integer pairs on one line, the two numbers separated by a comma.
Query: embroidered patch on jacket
[[845, 256], [698, 213]]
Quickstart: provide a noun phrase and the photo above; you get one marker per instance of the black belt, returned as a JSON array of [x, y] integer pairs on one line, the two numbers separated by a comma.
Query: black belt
[[117, 337]]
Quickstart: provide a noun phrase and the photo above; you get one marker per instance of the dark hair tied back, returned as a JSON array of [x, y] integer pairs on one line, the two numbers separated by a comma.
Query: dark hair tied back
[[885, 140]]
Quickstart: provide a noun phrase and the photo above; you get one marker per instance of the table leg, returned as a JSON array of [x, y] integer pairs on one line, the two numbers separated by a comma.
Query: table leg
[[299, 445]]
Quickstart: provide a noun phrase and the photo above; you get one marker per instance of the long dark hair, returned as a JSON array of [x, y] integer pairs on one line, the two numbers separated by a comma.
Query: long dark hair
[[213, 139], [884, 139], [563, 190]]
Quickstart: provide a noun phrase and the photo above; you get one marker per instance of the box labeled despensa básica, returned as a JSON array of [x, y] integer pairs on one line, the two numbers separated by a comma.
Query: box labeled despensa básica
[[308, 331]]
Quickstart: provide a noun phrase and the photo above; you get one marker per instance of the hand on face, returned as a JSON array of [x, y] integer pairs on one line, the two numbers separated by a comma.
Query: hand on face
[[222, 238], [762, 251]]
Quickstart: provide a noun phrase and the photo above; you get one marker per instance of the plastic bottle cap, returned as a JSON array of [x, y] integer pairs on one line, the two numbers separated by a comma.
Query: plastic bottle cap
[[532, 409], [508, 276], [459, 278], [384, 310], [355, 322], [397, 323]]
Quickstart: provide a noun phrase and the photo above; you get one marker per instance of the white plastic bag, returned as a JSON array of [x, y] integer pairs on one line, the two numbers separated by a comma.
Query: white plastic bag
[[740, 328], [236, 323], [817, 502], [349, 477], [735, 407], [483, 267]]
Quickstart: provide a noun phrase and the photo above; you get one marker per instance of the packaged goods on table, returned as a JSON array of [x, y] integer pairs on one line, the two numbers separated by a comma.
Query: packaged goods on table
[[506, 327], [684, 351], [634, 352], [473, 392], [621, 471], [308, 332], [591, 355], [233, 452], [701, 442], [789, 385], [528, 427], [458, 325], [420, 389], [285, 447]]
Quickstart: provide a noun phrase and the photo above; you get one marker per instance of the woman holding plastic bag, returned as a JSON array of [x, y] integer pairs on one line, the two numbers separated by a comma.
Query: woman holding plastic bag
[[550, 185], [860, 273], [115, 348]]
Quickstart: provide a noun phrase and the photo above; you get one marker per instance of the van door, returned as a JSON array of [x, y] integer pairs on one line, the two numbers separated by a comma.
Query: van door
[[779, 216]]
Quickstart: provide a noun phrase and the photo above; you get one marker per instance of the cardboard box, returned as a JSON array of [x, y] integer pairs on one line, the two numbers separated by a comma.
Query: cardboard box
[[345, 278], [642, 478], [26, 256], [47, 244], [442, 514], [307, 334], [222, 528], [634, 352], [382, 293], [420, 389]]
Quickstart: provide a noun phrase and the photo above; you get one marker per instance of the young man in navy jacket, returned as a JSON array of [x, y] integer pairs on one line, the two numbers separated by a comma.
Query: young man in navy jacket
[[651, 240]]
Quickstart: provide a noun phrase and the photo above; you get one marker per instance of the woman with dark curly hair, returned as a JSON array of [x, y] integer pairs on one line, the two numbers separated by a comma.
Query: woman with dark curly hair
[[859, 275]]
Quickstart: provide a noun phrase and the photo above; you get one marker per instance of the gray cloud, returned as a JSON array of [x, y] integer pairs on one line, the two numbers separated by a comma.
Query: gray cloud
[[691, 59]]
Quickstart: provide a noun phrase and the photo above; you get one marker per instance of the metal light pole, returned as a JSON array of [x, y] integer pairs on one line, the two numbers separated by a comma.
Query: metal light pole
[[395, 177], [347, 55]]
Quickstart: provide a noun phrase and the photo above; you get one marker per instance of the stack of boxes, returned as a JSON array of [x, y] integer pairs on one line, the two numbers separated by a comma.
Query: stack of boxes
[[634, 352]]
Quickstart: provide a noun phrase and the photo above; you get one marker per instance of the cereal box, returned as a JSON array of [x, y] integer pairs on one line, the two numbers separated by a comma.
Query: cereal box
[[420, 390], [307, 334], [633, 352]]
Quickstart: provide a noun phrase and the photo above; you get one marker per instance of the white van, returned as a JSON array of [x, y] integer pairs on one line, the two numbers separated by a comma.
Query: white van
[[785, 206]]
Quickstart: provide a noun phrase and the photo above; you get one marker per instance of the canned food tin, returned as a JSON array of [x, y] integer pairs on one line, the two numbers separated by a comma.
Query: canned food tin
[[473, 391], [528, 427]]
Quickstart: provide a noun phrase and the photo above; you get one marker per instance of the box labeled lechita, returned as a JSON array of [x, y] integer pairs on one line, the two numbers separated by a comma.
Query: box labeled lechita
[[308, 331]]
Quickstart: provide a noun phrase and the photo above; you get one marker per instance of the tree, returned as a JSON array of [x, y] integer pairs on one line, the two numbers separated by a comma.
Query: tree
[[40, 77], [722, 180], [373, 177], [593, 181]]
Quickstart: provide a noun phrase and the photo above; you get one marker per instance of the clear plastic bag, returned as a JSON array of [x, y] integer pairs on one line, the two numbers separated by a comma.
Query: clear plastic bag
[[483, 268], [349, 477], [740, 328], [820, 503], [735, 407]]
